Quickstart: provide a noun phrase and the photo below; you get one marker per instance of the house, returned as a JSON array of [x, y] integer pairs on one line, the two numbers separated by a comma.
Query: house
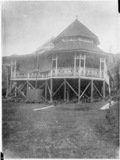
[[71, 66]]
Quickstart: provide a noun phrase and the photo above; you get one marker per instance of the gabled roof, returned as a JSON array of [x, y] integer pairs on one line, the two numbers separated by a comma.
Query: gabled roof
[[77, 29]]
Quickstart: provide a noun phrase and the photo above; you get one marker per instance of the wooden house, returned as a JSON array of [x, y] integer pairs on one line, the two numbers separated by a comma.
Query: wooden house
[[70, 66]]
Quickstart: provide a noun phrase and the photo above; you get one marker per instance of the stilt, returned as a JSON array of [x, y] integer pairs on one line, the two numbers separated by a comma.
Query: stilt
[[64, 90], [27, 89], [91, 90], [7, 84], [51, 90], [79, 88], [10, 88], [68, 94], [46, 90], [109, 90], [15, 91], [36, 84], [103, 89]]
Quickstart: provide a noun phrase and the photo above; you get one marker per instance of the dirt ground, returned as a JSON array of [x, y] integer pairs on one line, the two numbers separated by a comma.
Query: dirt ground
[[63, 131]]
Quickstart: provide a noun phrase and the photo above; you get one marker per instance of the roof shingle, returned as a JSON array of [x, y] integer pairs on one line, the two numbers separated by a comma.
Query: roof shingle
[[77, 29], [76, 45]]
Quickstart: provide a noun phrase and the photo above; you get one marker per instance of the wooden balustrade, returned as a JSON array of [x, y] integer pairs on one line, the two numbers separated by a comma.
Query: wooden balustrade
[[62, 72]]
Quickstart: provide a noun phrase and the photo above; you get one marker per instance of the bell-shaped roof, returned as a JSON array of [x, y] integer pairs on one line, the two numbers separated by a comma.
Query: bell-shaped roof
[[77, 29]]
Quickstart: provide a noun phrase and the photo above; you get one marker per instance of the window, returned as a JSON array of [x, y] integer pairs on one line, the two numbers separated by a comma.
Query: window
[[77, 62], [82, 62], [92, 62], [54, 63]]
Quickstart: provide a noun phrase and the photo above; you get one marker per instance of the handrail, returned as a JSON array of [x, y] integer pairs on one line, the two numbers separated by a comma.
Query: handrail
[[62, 71]]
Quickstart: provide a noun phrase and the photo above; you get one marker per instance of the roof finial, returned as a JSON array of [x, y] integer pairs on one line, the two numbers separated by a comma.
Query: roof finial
[[76, 17]]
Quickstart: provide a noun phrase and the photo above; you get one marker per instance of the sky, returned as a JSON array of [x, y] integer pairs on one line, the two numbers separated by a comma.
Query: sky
[[26, 25]]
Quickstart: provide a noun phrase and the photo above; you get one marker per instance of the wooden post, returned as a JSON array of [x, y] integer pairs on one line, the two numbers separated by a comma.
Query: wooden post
[[74, 64], [11, 69], [80, 65], [36, 81], [15, 91], [79, 88], [100, 68], [103, 89], [56, 64], [46, 90], [91, 90], [84, 65], [27, 89], [15, 69], [10, 86], [64, 90], [28, 75], [68, 94], [109, 90], [7, 83], [51, 90]]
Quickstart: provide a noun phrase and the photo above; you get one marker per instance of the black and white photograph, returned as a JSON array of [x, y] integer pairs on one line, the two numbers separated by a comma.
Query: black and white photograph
[[60, 85]]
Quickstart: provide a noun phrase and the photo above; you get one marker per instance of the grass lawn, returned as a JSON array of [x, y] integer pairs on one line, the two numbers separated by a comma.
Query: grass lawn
[[63, 131]]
